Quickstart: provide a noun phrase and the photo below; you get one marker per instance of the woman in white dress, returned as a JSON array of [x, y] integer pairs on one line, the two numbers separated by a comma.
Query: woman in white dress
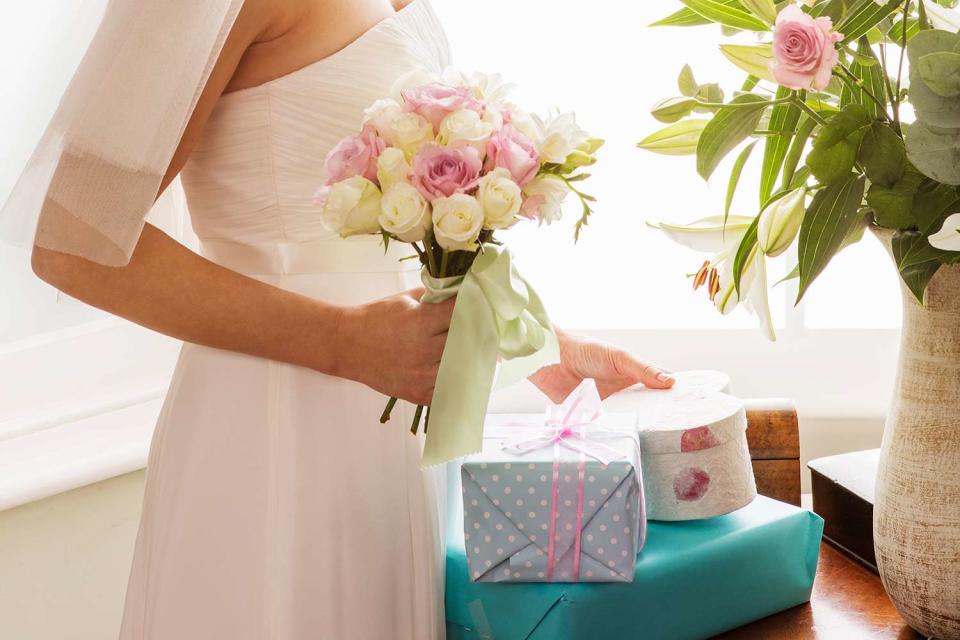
[[276, 505]]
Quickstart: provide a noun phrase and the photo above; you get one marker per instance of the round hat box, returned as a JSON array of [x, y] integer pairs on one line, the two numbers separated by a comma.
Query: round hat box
[[693, 441]]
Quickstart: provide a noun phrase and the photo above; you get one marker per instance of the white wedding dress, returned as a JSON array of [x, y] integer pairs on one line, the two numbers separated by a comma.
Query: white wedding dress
[[276, 505]]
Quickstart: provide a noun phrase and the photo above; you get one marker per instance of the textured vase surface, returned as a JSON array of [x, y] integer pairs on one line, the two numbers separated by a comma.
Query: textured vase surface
[[917, 505]]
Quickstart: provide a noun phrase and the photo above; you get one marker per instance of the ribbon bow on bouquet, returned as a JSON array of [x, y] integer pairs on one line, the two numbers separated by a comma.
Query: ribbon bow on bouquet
[[497, 315]]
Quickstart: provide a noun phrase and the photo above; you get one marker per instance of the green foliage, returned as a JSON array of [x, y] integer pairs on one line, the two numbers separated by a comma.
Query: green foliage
[[835, 148], [833, 212], [882, 154], [940, 71], [864, 17], [726, 15], [673, 109], [687, 17], [728, 128], [804, 128], [679, 139], [747, 246], [867, 70], [735, 177], [932, 204], [893, 205], [783, 124]]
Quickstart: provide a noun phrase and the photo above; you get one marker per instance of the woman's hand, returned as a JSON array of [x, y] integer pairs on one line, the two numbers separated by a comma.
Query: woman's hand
[[394, 345], [612, 368]]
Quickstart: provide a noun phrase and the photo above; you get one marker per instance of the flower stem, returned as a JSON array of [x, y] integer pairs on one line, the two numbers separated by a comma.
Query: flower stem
[[426, 421], [428, 248], [903, 44], [385, 416], [856, 84], [735, 105], [416, 419], [445, 257], [810, 112]]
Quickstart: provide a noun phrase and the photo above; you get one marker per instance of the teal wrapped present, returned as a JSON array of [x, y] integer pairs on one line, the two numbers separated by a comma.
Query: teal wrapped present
[[693, 580]]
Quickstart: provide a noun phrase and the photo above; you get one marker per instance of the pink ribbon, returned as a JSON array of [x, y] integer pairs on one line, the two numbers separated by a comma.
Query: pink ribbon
[[565, 425]]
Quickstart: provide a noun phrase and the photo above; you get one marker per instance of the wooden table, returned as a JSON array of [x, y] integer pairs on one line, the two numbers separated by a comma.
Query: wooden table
[[848, 603]]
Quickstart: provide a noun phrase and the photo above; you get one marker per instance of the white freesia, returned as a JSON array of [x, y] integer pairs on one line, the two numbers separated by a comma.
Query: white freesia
[[545, 195], [526, 124], [382, 114], [352, 207], [465, 126], [404, 212], [561, 135], [500, 198], [392, 167], [490, 88], [711, 235], [948, 238], [780, 222], [411, 131], [457, 221]]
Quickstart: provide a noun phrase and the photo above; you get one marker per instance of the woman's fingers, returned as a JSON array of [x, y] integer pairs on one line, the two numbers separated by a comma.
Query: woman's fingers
[[638, 371]]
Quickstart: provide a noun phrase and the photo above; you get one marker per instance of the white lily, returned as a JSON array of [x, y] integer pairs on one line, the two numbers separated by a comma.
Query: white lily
[[711, 235], [948, 238]]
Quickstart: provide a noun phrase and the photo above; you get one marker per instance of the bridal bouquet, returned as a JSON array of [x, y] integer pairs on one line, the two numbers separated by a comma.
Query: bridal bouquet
[[443, 165], [826, 95]]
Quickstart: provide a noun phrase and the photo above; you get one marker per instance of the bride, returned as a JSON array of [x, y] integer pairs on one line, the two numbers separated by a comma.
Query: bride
[[276, 504]]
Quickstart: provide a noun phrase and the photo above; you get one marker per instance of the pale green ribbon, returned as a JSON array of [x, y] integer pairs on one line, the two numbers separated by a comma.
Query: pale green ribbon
[[496, 314]]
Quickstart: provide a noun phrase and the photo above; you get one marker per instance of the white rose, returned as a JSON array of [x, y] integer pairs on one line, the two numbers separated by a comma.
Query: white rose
[[392, 167], [381, 114], [464, 126], [411, 80], [545, 195], [457, 221], [500, 199], [561, 136], [410, 131], [352, 207], [404, 212]]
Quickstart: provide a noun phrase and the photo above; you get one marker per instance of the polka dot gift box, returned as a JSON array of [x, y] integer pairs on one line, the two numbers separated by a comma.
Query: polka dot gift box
[[696, 463], [555, 497]]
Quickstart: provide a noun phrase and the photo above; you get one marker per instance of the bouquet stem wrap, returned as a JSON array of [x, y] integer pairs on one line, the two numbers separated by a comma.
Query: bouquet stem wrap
[[497, 315]]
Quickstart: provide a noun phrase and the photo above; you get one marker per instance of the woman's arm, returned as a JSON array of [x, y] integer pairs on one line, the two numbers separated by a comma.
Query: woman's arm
[[392, 345]]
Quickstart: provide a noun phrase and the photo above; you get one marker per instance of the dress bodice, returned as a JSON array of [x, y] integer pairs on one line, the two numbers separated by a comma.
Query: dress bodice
[[252, 176]]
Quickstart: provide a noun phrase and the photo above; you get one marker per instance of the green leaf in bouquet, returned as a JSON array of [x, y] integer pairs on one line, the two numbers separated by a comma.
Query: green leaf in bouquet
[[749, 83], [932, 204], [726, 15], [799, 179], [940, 71], [854, 235], [871, 77], [748, 244], [805, 127], [931, 108], [895, 33], [763, 9], [735, 178], [832, 213], [752, 58], [687, 17], [729, 127], [835, 148], [783, 124], [864, 17], [678, 139], [882, 154], [935, 152], [893, 205], [918, 276], [686, 82], [710, 93], [591, 145]]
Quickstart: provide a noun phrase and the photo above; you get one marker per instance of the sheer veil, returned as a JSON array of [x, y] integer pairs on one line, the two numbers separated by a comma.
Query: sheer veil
[[96, 170]]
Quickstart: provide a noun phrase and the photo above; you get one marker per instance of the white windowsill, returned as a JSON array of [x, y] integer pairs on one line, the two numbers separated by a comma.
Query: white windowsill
[[75, 454]]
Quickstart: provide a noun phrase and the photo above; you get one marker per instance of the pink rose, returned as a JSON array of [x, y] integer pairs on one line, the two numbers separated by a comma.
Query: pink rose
[[355, 156], [515, 152], [803, 49], [434, 101], [440, 171]]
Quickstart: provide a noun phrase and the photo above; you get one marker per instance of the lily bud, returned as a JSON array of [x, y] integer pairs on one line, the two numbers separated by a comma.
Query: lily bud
[[577, 159], [591, 145], [780, 222]]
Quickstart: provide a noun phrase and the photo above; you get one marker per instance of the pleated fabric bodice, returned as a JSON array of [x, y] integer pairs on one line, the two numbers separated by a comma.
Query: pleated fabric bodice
[[250, 180]]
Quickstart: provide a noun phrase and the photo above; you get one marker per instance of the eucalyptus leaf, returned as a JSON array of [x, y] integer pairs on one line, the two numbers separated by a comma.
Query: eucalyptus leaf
[[931, 108], [678, 139], [833, 212], [940, 71], [935, 152], [726, 15], [836, 147], [882, 154], [728, 128], [893, 206]]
